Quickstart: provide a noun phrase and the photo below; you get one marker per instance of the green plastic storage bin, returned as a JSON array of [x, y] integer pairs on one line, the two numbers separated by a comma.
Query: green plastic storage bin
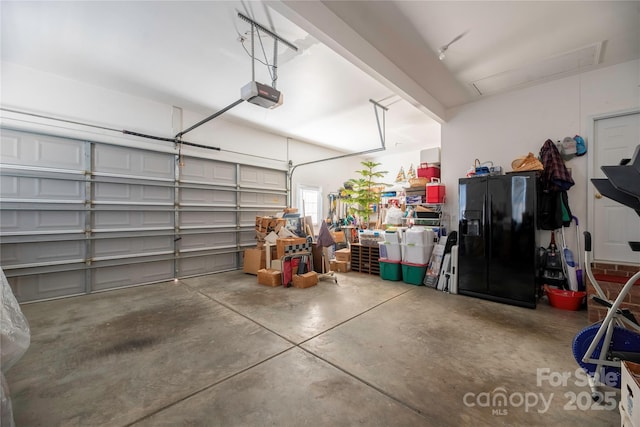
[[390, 270], [413, 274]]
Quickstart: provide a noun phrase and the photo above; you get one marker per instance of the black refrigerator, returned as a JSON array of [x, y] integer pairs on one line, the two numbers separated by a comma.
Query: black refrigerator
[[497, 238]]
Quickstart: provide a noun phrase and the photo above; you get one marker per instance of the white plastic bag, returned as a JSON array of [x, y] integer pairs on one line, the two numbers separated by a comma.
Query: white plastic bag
[[394, 216], [15, 337]]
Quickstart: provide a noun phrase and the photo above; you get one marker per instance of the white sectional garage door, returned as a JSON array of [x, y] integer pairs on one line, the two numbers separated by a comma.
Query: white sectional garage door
[[78, 217]]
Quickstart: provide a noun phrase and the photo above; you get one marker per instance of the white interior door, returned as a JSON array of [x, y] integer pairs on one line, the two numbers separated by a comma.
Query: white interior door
[[613, 224]]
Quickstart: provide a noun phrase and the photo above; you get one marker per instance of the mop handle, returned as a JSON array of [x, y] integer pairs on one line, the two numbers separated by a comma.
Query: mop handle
[[575, 218]]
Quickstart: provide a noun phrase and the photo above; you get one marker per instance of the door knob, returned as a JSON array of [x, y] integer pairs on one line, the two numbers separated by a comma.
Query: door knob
[[598, 196]]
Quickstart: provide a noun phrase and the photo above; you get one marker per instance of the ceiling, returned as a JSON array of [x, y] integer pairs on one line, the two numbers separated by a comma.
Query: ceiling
[[190, 55]]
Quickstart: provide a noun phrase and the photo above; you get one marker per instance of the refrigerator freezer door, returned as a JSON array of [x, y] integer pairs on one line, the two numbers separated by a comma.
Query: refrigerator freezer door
[[472, 246]]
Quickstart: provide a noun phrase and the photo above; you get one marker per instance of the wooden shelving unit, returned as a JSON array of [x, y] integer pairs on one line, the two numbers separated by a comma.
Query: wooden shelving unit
[[364, 259]]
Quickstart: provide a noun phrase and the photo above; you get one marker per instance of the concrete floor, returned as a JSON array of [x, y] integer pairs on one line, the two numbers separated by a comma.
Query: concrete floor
[[223, 350]]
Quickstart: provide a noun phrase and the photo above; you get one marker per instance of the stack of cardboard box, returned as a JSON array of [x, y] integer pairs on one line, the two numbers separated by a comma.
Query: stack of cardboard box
[[271, 235], [342, 263], [267, 224]]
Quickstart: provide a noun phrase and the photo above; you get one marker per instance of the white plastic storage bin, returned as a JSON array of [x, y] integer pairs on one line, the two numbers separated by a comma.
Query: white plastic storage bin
[[370, 237], [419, 236], [390, 251], [416, 254], [392, 237]]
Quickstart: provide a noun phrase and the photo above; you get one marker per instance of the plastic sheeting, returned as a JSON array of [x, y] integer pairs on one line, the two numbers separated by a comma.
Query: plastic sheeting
[[15, 337]]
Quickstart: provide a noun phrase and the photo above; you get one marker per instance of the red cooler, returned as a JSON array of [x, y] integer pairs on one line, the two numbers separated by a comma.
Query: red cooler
[[428, 171], [435, 191]]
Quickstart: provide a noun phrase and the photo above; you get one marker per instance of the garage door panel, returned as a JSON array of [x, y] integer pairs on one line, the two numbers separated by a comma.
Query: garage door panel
[[9, 186], [155, 194], [58, 189], [255, 177], [41, 252], [132, 193], [131, 274], [248, 216], [249, 198], [59, 220], [193, 266], [19, 148], [132, 246], [112, 220], [200, 196], [207, 219], [41, 221], [247, 238], [207, 171], [156, 164], [9, 151], [190, 242], [51, 285], [111, 191], [62, 153], [9, 221], [43, 189], [273, 179], [130, 162]]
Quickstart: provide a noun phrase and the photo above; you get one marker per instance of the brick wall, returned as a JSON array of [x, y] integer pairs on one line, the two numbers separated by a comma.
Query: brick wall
[[611, 278]]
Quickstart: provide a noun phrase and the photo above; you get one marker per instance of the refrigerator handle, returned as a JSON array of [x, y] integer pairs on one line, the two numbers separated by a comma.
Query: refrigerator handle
[[489, 225], [484, 212]]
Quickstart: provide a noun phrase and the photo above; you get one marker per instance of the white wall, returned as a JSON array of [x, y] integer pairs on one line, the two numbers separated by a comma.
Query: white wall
[[33, 91], [503, 127], [392, 162]]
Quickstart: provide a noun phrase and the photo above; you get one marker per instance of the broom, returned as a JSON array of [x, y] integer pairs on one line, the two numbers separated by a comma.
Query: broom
[[570, 265], [581, 286]]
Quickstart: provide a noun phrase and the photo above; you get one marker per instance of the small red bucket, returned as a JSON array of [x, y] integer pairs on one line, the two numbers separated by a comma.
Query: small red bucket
[[565, 300]]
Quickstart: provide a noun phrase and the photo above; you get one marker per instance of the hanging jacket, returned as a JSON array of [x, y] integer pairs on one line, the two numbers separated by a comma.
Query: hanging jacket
[[555, 176], [555, 180]]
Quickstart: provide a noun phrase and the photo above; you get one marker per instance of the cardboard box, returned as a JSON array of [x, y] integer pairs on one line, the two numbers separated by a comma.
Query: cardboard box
[[282, 242], [305, 280], [340, 266], [266, 224], [630, 391], [343, 255], [269, 277], [254, 260], [338, 236]]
